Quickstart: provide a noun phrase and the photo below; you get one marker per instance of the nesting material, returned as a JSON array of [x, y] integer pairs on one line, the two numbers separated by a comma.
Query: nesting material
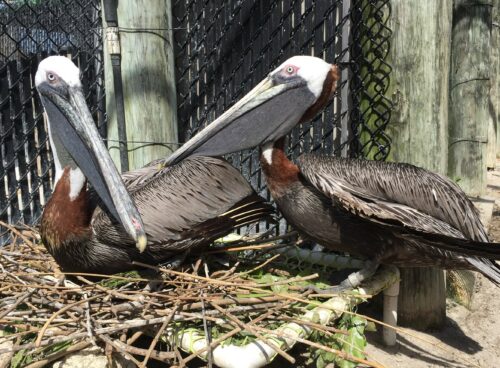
[[243, 314]]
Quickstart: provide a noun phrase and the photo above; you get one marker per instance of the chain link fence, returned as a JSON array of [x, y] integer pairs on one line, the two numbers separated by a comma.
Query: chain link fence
[[224, 48], [30, 31]]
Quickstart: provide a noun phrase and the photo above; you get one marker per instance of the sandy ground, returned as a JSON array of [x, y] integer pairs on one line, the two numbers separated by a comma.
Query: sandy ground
[[471, 338]]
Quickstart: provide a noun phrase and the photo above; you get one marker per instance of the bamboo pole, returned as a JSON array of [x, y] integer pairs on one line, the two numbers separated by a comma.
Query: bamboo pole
[[469, 94], [148, 81], [420, 59]]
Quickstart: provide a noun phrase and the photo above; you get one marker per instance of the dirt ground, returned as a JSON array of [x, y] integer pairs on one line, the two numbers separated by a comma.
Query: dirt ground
[[471, 338]]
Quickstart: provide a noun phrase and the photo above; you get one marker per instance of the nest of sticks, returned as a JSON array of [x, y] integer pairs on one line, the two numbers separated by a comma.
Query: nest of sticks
[[250, 306]]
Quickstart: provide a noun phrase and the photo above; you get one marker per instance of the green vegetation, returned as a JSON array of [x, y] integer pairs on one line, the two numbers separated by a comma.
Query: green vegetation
[[352, 344], [23, 357], [121, 279]]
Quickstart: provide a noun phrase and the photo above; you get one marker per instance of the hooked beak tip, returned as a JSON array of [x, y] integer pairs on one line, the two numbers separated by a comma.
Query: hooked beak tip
[[141, 243]]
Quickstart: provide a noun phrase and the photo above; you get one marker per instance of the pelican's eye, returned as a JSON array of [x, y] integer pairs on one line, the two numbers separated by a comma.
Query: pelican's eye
[[51, 77], [290, 69]]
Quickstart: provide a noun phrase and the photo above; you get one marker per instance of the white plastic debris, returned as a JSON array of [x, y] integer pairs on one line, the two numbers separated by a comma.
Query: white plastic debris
[[258, 353]]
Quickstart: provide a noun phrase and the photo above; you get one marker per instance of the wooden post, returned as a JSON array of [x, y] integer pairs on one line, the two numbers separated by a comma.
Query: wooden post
[[491, 147], [148, 81], [491, 150], [495, 74], [420, 59], [470, 94]]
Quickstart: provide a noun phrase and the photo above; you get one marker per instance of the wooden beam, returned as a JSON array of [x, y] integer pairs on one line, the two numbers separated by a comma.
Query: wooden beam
[[470, 94], [420, 60], [148, 81]]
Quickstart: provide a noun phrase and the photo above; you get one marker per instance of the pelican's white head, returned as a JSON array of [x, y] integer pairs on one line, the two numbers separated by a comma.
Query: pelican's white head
[[311, 69], [77, 144], [58, 67], [293, 93]]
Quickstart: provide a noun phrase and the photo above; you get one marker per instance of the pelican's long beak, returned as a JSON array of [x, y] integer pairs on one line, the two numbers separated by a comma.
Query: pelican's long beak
[[266, 113], [72, 125]]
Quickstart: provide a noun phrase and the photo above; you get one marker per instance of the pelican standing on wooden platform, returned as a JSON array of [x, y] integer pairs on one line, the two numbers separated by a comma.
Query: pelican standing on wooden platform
[[387, 213], [147, 215]]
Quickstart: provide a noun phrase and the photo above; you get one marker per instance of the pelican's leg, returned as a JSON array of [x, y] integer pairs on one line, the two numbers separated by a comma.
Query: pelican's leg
[[356, 278], [172, 263], [318, 247], [175, 261], [352, 281]]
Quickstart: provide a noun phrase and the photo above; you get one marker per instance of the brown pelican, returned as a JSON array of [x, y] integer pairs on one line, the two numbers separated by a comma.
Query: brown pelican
[[147, 215], [387, 213]]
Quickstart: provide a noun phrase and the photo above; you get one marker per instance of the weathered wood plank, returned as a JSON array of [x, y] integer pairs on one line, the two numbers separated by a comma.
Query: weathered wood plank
[[470, 94], [491, 148], [495, 64], [420, 59], [148, 81], [421, 294]]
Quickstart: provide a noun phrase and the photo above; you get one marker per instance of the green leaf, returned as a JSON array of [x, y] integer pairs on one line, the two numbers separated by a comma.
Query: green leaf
[[354, 344], [17, 359], [113, 283], [371, 326], [279, 288], [320, 362], [57, 347]]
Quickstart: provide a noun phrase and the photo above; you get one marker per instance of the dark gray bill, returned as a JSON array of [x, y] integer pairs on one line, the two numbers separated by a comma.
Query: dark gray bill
[[267, 113], [71, 122]]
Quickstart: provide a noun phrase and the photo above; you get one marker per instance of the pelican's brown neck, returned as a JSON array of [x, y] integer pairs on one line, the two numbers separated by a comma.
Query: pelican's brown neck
[[280, 172], [67, 215], [329, 87]]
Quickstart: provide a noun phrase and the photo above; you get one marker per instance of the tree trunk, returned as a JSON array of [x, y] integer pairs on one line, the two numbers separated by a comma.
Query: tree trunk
[[420, 59], [148, 82]]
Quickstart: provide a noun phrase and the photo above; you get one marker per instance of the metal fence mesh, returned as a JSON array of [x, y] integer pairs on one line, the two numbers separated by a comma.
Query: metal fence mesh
[[30, 31], [224, 48]]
